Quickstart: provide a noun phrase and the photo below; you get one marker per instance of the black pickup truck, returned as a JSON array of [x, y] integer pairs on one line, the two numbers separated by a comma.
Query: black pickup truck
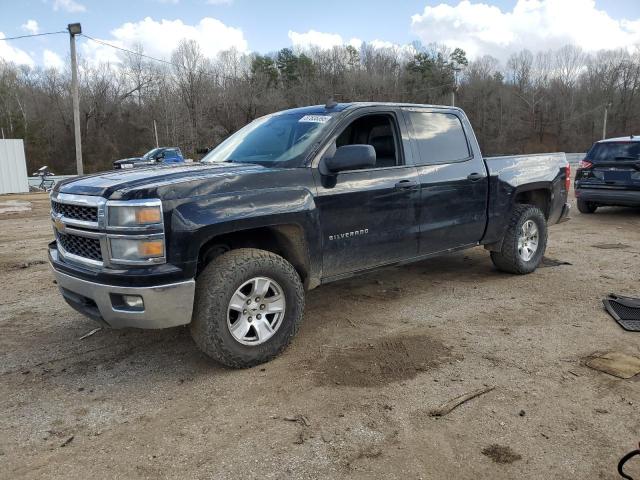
[[293, 200]]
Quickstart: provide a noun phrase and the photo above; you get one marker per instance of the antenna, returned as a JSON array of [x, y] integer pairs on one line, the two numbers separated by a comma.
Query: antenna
[[331, 103]]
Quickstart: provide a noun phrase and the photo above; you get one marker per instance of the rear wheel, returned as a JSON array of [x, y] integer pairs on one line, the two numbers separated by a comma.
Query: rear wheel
[[524, 242], [248, 306], [586, 207]]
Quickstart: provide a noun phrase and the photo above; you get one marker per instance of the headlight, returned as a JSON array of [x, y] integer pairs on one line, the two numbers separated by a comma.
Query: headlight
[[136, 250], [134, 215]]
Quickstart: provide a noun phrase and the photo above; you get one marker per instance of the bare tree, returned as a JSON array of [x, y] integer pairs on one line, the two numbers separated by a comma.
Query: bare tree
[[190, 72], [548, 100]]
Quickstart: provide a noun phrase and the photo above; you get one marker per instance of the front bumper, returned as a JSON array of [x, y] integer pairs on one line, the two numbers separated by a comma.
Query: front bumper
[[603, 196], [165, 306]]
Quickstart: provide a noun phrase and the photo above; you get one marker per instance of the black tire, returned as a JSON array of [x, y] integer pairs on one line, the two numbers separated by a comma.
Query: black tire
[[508, 258], [214, 289], [586, 207]]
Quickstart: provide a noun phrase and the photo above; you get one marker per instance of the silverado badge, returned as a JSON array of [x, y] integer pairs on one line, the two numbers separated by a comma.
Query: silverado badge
[[355, 233]]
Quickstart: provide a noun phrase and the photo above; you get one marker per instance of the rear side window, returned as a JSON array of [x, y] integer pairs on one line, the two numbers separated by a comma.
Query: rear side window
[[440, 137], [611, 151]]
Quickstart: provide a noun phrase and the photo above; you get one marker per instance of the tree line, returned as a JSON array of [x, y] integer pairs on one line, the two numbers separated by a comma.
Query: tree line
[[533, 102]]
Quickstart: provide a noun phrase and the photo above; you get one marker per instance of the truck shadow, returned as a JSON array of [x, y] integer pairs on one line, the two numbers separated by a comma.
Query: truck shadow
[[131, 353], [170, 355], [433, 276], [124, 355]]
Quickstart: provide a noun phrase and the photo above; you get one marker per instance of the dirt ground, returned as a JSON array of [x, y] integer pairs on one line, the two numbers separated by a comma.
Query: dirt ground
[[352, 396]]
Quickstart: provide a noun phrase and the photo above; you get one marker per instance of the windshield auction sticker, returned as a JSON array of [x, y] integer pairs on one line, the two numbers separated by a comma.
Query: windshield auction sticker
[[315, 118]]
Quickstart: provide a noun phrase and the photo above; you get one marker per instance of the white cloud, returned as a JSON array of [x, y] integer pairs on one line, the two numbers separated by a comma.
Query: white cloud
[[160, 38], [356, 43], [313, 38], [31, 26], [70, 6], [9, 53], [480, 28], [406, 50], [326, 41], [51, 59]]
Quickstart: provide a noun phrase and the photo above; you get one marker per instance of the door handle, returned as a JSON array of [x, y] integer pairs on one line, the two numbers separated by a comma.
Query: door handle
[[474, 177], [406, 185]]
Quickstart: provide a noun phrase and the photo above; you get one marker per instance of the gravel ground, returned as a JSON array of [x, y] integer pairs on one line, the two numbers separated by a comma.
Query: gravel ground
[[352, 396]]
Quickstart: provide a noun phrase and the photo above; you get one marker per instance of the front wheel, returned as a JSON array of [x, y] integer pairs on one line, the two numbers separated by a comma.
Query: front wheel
[[586, 207], [524, 243], [248, 306]]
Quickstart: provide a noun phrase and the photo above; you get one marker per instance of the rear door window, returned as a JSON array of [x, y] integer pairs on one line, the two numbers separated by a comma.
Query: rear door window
[[439, 136]]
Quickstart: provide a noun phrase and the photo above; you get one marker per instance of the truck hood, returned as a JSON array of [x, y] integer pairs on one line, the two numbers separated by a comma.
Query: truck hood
[[153, 182], [127, 160]]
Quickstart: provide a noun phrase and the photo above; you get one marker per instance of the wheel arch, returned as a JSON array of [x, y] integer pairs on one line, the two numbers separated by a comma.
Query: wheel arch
[[537, 194], [287, 240]]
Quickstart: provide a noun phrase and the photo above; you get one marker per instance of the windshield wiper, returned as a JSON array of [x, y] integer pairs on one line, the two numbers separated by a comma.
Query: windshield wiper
[[627, 158]]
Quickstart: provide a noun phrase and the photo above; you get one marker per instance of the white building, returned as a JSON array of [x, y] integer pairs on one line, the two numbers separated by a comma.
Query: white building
[[13, 167]]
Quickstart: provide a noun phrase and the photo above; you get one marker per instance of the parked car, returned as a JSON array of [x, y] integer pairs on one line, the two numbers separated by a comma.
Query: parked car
[[291, 201], [609, 175], [165, 155]]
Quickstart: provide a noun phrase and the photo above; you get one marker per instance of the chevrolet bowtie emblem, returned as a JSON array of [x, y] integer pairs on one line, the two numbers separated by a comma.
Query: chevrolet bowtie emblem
[[59, 225]]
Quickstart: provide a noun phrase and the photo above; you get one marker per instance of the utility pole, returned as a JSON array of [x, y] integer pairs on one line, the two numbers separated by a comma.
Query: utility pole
[[604, 124], [155, 129], [75, 29], [456, 69]]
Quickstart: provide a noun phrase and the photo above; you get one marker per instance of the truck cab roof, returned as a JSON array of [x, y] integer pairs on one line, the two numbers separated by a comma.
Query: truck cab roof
[[339, 107], [628, 138]]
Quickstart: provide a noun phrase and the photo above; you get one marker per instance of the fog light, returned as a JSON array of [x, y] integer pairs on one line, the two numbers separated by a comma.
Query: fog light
[[133, 301], [151, 248]]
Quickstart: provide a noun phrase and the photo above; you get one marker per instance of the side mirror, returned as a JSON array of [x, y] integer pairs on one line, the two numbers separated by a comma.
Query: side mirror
[[349, 157], [203, 151]]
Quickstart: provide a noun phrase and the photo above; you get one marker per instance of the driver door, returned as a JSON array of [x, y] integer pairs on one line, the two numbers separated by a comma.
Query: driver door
[[369, 216]]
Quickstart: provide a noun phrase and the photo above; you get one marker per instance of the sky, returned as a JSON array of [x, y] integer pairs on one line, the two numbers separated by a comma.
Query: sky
[[494, 27]]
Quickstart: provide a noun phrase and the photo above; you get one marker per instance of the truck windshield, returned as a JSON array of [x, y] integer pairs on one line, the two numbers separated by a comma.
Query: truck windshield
[[279, 139], [610, 151], [151, 153]]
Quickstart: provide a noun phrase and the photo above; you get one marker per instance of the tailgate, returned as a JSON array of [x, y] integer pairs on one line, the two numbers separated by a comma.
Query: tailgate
[[618, 175]]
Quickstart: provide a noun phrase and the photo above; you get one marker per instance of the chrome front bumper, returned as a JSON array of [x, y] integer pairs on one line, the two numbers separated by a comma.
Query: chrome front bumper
[[164, 305]]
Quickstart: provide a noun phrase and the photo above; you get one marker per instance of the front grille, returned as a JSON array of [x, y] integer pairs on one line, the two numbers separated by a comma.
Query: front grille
[[81, 246], [76, 212]]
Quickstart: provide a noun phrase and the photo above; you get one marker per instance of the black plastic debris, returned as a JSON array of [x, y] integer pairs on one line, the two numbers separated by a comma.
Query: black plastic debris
[[624, 310], [624, 460]]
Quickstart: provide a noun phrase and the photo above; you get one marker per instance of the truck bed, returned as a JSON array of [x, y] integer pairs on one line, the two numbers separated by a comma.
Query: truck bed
[[512, 175]]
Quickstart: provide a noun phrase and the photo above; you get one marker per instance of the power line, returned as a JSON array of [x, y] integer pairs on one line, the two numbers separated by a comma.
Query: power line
[[129, 51], [34, 35], [179, 67]]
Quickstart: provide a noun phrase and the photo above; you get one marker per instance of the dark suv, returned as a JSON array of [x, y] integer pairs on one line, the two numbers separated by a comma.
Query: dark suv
[[609, 175]]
